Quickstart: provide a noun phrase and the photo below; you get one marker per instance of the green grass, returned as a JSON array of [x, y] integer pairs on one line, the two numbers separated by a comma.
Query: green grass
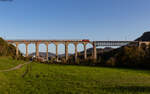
[[7, 62], [68, 79]]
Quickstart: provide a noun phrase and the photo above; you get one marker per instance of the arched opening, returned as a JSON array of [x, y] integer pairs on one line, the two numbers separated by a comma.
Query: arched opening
[[22, 48], [61, 51], [42, 50], [89, 48], [71, 50], [80, 49], [52, 51], [31, 50]]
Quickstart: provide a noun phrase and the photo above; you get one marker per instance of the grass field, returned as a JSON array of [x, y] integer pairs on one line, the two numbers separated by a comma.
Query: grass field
[[6, 63], [38, 78]]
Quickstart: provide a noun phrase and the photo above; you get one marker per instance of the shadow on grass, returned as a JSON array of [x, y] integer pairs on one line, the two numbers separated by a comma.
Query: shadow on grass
[[101, 66], [127, 89], [98, 66]]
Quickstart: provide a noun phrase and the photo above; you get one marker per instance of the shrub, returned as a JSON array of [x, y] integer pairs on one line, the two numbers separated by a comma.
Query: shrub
[[111, 62]]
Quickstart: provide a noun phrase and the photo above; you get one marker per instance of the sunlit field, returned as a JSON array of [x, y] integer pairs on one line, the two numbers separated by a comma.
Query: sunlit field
[[36, 78]]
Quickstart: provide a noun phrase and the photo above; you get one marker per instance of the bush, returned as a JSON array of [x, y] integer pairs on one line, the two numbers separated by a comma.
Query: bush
[[7, 49], [111, 62]]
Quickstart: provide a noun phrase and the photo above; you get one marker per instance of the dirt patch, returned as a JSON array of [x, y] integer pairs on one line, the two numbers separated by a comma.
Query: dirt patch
[[15, 68]]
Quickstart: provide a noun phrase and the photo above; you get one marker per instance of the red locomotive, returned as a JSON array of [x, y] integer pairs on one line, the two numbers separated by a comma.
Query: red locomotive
[[86, 40]]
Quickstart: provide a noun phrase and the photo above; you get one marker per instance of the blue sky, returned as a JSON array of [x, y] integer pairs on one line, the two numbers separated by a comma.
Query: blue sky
[[74, 19]]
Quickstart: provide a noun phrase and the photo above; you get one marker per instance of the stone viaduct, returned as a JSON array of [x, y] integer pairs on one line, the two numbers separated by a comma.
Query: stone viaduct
[[75, 42], [56, 42]]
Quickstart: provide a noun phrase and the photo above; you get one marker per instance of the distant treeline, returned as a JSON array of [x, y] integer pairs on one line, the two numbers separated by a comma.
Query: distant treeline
[[127, 56]]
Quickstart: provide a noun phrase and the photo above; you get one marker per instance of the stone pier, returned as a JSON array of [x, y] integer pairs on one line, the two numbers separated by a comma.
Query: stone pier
[[66, 51], [85, 51], [37, 50], [17, 50], [56, 51], [47, 51], [26, 49], [76, 51], [94, 52]]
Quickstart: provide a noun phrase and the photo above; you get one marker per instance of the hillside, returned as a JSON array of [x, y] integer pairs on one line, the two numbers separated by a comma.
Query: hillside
[[144, 37], [43, 54], [7, 49]]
